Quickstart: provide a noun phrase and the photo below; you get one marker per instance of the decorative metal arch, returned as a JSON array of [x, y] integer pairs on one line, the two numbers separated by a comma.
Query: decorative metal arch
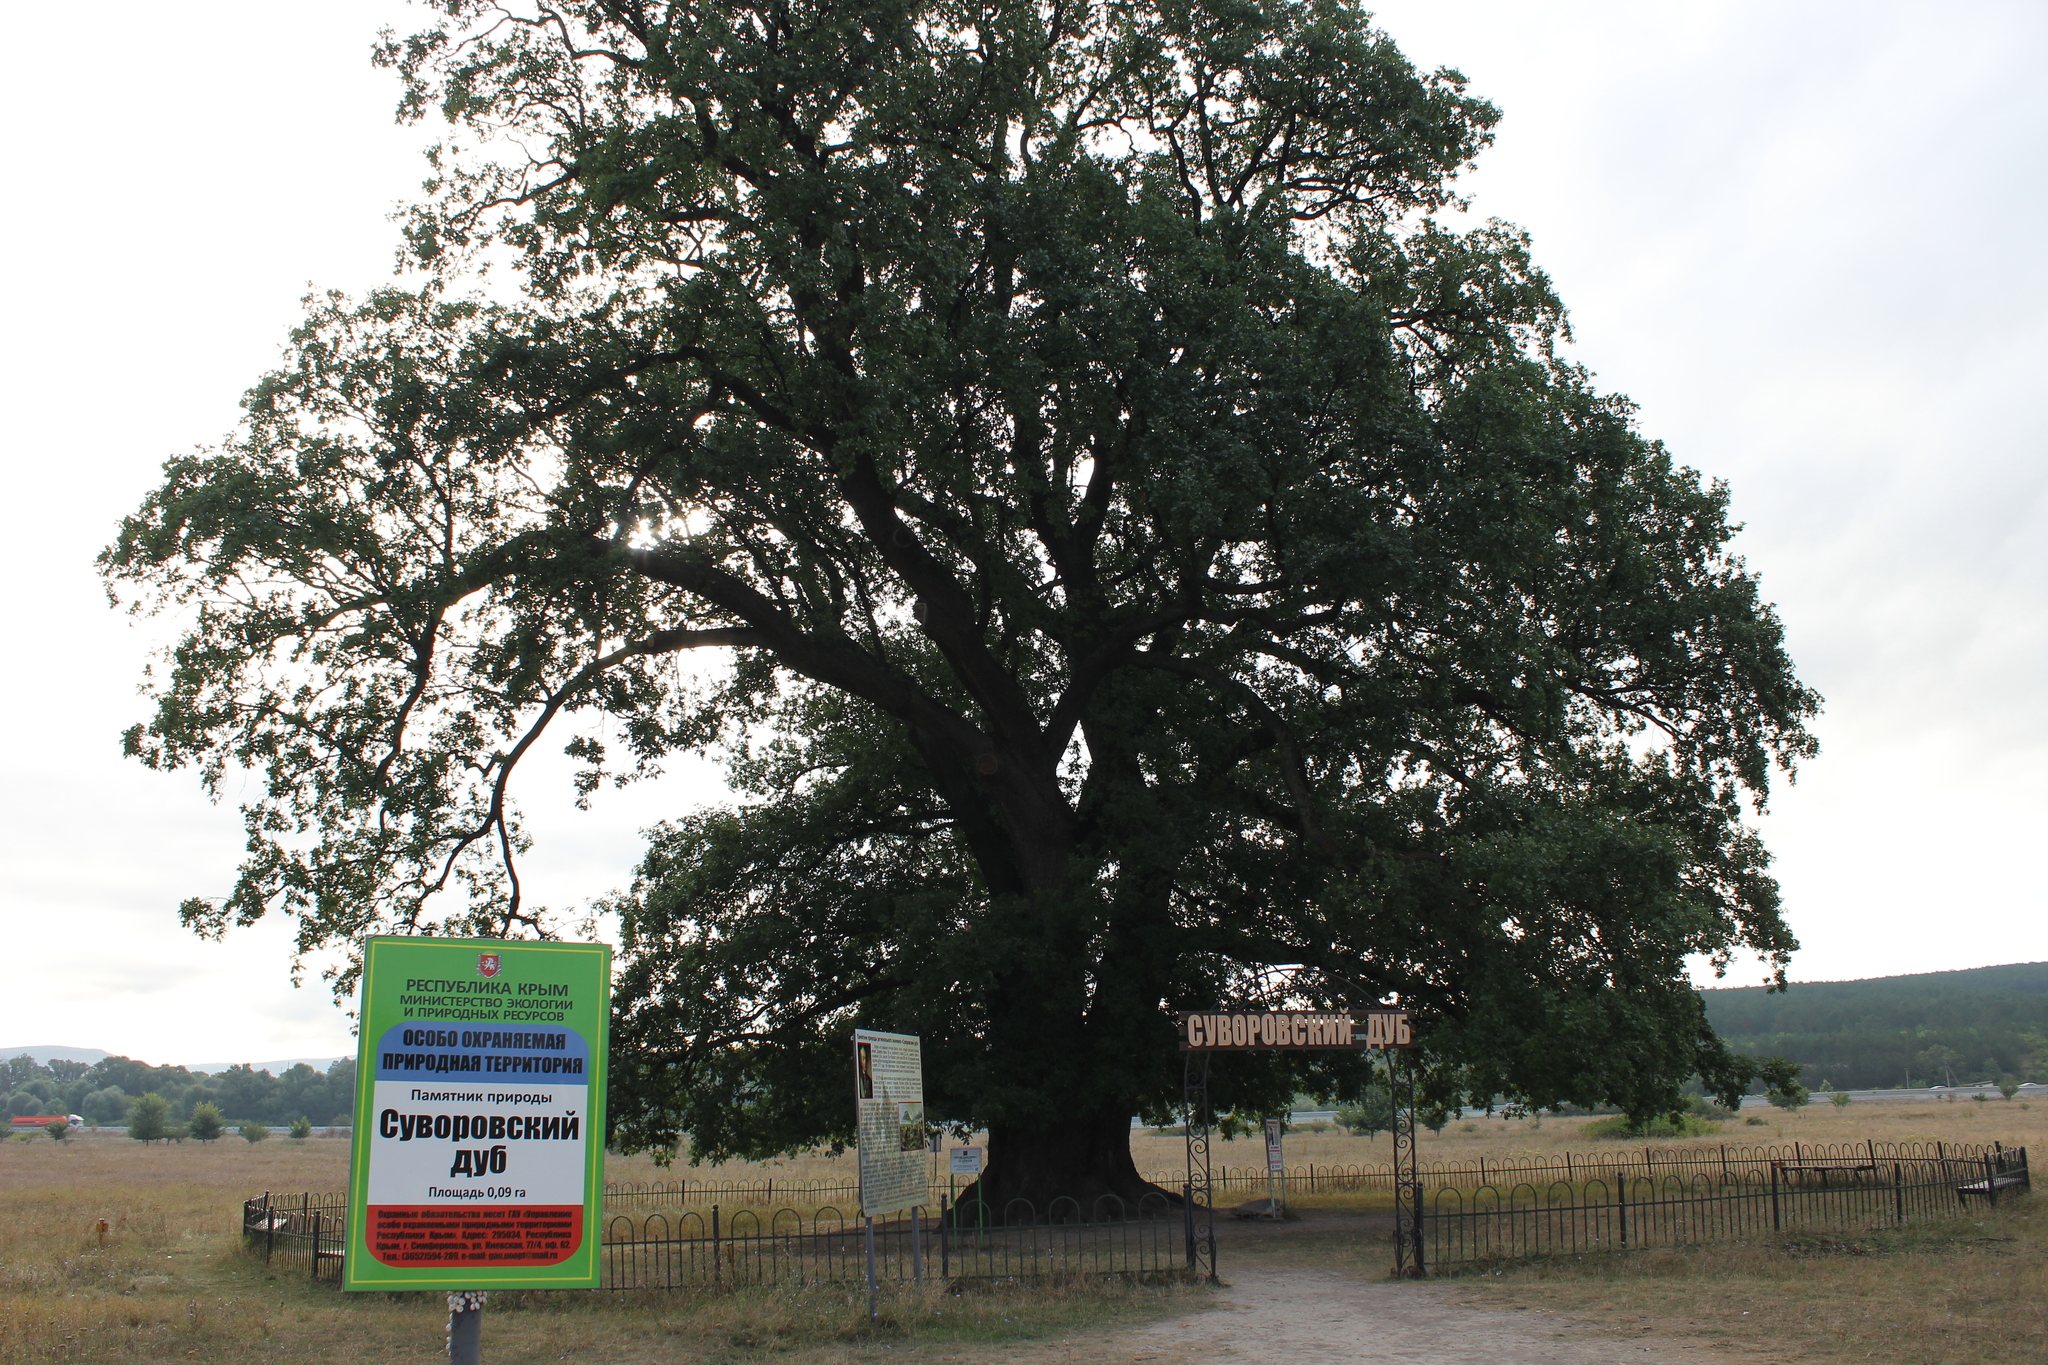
[[1207, 1032]]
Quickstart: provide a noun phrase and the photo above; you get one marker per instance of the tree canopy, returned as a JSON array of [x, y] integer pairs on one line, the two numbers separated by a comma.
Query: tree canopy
[[1132, 543]]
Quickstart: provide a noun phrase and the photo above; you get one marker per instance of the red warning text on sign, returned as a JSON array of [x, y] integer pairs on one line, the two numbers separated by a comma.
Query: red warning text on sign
[[438, 1235]]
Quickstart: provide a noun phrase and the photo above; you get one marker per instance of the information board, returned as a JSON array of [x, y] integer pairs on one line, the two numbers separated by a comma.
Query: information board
[[1275, 1163], [479, 1137], [888, 1073], [966, 1161]]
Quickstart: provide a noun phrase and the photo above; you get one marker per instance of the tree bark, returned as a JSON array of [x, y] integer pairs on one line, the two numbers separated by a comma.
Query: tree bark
[[1086, 1159]]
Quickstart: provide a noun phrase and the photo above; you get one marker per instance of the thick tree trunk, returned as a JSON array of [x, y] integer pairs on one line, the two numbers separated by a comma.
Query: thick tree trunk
[[1086, 1160]]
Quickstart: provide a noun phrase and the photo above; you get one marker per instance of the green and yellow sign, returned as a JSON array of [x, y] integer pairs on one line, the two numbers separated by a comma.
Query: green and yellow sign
[[479, 1138]]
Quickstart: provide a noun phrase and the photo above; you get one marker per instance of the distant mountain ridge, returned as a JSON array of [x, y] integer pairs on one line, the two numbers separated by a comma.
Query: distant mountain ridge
[[88, 1055], [1938, 1028]]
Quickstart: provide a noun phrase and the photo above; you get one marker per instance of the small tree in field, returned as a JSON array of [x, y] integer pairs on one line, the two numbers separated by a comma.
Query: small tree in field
[[58, 1129], [1789, 1095], [301, 1129], [149, 1119], [206, 1123], [1841, 1100], [254, 1132], [1374, 1112]]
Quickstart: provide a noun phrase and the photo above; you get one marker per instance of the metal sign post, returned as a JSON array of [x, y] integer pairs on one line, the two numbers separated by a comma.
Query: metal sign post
[[1198, 1211], [1276, 1169], [967, 1161], [1407, 1173]]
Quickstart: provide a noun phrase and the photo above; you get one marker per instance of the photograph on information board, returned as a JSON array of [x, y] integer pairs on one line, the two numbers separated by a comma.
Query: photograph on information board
[[479, 1142], [889, 1107]]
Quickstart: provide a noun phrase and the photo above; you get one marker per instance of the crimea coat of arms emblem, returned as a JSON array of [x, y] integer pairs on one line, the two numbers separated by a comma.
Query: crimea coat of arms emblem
[[486, 964]]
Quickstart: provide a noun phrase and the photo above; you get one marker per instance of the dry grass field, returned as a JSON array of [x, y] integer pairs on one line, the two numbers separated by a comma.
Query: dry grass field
[[170, 1283], [1969, 1292]]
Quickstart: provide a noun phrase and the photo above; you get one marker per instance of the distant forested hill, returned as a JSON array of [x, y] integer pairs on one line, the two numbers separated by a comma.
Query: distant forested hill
[[1938, 1028]]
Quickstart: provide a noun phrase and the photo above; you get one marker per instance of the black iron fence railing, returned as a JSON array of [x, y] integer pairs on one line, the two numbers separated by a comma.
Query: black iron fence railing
[[1606, 1201], [717, 1248], [303, 1232], [1722, 1161], [1493, 1223], [1609, 1164]]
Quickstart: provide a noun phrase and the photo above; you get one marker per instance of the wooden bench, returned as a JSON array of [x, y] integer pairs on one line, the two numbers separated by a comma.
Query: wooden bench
[[1990, 1188]]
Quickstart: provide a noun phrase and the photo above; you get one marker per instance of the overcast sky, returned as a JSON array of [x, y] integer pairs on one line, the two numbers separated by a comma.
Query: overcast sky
[[1804, 237]]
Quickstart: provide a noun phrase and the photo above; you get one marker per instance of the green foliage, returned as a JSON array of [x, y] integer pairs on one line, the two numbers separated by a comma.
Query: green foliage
[[1841, 1099], [1943, 1028], [1372, 1113], [301, 1129], [2008, 1088], [149, 1118], [254, 1132], [58, 1129], [100, 1092], [1789, 1095], [1667, 1126], [1124, 544], [205, 1123]]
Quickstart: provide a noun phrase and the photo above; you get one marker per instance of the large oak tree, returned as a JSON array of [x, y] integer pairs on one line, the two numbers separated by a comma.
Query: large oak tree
[[1130, 547]]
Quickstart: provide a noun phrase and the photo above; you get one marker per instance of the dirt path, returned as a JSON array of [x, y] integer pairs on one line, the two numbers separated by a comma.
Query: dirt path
[[1270, 1316]]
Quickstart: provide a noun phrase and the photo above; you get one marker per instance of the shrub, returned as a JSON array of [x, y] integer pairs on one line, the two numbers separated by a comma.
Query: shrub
[[255, 1132], [2008, 1088], [1753, 1121], [1790, 1095], [149, 1119], [206, 1123], [58, 1129], [301, 1129], [1841, 1100], [1372, 1113], [1621, 1126]]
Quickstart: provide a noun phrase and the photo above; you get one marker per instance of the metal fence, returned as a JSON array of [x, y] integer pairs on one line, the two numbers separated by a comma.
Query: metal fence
[[305, 1233], [1815, 1194], [1480, 1210], [720, 1248], [1723, 1161]]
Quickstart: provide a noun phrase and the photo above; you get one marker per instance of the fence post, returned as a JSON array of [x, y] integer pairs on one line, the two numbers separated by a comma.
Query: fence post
[[269, 1229], [874, 1314], [1777, 1222], [1187, 1211], [2026, 1176], [315, 1258], [1898, 1195], [917, 1246], [1421, 1270], [1724, 1163], [945, 1242], [1621, 1203], [1991, 1181]]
